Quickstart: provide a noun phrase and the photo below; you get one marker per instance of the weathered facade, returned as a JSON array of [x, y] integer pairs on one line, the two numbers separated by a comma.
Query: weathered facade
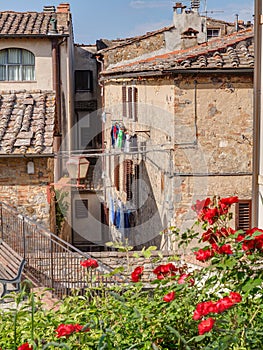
[[191, 111], [36, 52]]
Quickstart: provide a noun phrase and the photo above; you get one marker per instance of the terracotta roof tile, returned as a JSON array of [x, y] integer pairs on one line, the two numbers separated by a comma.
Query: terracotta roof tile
[[26, 122], [230, 51], [28, 23]]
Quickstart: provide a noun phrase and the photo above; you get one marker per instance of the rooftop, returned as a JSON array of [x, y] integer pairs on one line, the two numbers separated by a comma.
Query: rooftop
[[235, 50], [27, 122], [35, 23]]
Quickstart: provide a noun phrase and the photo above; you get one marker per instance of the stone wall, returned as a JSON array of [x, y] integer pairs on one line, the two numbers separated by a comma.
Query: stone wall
[[116, 259], [27, 193], [199, 141], [134, 49]]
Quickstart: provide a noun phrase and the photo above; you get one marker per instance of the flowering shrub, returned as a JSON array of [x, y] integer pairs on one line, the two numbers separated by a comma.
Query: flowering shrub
[[217, 306]]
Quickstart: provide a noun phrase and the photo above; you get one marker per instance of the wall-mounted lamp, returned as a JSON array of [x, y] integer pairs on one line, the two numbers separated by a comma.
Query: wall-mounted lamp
[[77, 168], [30, 168]]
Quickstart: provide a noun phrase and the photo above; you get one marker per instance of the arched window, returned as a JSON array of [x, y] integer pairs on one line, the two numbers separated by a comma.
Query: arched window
[[17, 65]]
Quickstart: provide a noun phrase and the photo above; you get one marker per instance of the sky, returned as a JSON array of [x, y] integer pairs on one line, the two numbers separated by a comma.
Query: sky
[[112, 19]]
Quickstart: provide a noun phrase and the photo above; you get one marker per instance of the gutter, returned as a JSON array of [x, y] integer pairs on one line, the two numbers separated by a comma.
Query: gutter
[[108, 76], [47, 155], [256, 113], [31, 36]]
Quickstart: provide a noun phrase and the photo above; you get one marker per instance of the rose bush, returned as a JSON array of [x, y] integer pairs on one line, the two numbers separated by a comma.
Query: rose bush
[[217, 306]]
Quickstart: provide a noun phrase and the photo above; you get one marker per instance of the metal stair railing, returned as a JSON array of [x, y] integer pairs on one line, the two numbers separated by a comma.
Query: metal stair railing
[[51, 261]]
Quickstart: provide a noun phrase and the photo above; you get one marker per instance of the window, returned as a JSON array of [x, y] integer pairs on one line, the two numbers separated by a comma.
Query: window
[[17, 65], [117, 172], [243, 215], [83, 80], [130, 102], [127, 178], [212, 33], [81, 208]]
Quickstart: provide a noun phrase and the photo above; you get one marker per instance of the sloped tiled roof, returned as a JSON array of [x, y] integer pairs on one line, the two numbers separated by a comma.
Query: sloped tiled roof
[[27, 122], [235, 50], [28, 23]]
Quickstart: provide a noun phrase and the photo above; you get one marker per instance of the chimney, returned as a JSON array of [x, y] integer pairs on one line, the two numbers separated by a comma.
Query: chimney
[[53, 25], [179, 8], [195, 5], [49, 9], [237, 27], [189, 38], [63, 8]]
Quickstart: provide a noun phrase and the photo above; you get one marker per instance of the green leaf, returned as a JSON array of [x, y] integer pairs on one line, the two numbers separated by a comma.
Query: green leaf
[[178, 335], [251, 284], [61, 345]]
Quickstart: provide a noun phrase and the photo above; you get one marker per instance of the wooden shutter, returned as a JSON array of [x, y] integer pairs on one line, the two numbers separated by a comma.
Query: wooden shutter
[[124, 101], [136, 186], [130, 102], [243, 215], [127, 178], [135, 104], [117, 172]]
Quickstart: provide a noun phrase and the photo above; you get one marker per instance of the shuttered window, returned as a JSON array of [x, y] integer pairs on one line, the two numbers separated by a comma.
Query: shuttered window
[[124, 101], [117, 172], [243, 215], [130, 102], [136, 187], [127, 178], [135, 104]]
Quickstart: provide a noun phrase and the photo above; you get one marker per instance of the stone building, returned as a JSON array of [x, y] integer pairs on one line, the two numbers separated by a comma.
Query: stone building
[[183, 98], [36, 71]]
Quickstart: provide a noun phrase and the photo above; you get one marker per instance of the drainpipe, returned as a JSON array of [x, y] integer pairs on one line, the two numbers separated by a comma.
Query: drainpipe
[[103, 146], [257, 182], [237, 28]]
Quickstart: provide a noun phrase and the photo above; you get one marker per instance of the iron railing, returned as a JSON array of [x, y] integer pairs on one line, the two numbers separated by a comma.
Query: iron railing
[[50, 261]]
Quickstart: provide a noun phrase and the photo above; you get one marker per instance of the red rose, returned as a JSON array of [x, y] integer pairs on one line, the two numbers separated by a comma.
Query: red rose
[[229, 200], [64, 330], [185, 278], [205, 326], [225, 249], [249, 245], [136, 274], [78, 327], [25, 346], [206, 307], [224, 304], [204, 255], [225, 232], [201, 204], [169, 297], [235, 297], [197, 315], [210, 236], [210, 215], [90, 263], [163, 271]]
